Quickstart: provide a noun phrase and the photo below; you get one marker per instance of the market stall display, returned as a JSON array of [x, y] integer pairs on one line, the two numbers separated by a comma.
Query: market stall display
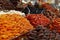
[[13, 25], [34, 20], [40, 33]]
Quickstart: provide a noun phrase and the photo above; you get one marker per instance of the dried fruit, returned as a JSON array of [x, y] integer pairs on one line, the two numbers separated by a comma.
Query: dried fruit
[[49, 7], [38, 19], [55, 25], [41, 33], [12, 25]]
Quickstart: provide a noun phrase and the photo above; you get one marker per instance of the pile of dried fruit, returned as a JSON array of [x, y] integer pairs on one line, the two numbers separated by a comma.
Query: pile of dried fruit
[[38, 19], [49, 7], [55, 25], [41, 33], [12, 25], [47, 18]]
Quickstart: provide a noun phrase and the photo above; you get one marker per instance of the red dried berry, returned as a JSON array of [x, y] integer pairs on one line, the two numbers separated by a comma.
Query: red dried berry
[[38, 19], [55, 25]]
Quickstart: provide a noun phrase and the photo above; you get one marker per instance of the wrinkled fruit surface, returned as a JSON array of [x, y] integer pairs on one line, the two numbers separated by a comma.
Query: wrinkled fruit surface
[[38, 19]]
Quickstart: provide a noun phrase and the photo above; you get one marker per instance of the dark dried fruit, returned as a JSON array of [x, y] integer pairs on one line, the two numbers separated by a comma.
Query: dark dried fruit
[[6, 5], [42, 34]]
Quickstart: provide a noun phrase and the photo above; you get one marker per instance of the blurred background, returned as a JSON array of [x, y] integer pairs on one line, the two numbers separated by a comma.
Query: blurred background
[[17, 4]]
